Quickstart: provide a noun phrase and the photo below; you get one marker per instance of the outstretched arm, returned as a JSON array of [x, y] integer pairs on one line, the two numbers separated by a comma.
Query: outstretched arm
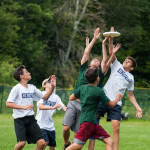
[[72, 97], [111, 42], [50, 91], [112, 57], [64, 108], [104, 51], [89, 46], [113, 103], [44, 107], [134, 102]]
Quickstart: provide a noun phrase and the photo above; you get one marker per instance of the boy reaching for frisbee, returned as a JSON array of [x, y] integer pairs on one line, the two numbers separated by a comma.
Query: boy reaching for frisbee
[[89, 96], [120, 79]]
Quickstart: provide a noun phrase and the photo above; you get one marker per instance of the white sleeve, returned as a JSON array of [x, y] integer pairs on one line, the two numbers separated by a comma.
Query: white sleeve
[[12, 96], [59, 102], [40, 102], [114, 65], [131, 86], [38, 94]]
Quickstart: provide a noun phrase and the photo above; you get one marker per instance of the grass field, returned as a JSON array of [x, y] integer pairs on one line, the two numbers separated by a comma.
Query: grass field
[[134, 134]]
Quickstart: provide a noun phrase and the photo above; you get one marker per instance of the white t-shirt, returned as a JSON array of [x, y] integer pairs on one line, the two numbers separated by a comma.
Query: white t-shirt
[[20, 95], [44, 117], [118, 82]]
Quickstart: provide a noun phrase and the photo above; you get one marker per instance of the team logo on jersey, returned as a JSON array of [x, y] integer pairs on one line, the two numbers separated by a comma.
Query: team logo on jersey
[[124, 75], [49, 103], [27, 95]]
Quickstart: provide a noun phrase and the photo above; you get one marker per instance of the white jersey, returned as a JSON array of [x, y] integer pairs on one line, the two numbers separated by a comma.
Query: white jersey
[[20, 95], [118, 82], [44, 117]]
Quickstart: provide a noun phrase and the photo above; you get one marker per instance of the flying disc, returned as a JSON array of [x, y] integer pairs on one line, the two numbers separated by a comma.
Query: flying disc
[[112, 34]]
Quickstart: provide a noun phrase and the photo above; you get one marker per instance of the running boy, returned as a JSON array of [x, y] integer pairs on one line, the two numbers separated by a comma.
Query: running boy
[[21, 100], [44, 114], [90, 95]]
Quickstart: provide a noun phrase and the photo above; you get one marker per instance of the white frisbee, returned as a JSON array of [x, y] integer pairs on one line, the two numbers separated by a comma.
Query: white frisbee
[[112, 34]]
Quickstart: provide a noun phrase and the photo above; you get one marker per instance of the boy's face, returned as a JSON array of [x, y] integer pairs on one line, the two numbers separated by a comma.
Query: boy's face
[[95, 63], [26, 75], [47, 85], [127, 65]]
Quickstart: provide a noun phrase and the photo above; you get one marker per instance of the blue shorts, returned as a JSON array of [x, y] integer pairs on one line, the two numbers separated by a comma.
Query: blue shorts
[[112, 113], [49, 136]]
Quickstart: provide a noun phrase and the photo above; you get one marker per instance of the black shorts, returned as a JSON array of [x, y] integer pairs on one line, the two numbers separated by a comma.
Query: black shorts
[[49, 136], [27, 129], [112, 113]]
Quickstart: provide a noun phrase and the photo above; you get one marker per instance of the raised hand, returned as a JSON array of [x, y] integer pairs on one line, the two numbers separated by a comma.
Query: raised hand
[[53, 80], [97, 33], [116, 48], [87, 41], [112, 29], [104, 41], [139, 113], [30, 107]]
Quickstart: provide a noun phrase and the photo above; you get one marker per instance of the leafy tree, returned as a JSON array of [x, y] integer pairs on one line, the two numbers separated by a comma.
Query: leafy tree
[[7, 68], [131, 19]]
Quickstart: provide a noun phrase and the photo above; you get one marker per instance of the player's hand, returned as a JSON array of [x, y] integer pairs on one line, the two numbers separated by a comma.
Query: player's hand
[[56, 106], [53, 80], [139, 113], [87, 41], [116, 48], [112, 29], [104, 41], [119, 96], [97, 33], [30, 107]]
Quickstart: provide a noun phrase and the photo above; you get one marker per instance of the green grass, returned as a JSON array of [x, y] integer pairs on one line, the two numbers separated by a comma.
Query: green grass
[[134, 134]]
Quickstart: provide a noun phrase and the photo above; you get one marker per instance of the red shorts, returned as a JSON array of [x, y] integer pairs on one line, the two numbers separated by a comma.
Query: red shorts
[[88, 130]]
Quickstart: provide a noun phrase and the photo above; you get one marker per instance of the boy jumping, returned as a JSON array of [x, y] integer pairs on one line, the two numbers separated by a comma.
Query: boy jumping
[[90, 95]]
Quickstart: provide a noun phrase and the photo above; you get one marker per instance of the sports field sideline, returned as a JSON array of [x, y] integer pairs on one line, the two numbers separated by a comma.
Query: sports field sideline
[[134, 134]]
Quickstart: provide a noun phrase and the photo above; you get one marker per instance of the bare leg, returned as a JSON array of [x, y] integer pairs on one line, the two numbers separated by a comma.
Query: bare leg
[[40, 145], [108, 143], [52, 148], [91, 144], [66, 134], [116, 136], [74, 146], [20, 145]]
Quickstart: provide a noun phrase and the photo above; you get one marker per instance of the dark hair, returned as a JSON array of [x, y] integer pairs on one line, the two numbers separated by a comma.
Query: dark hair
[[91, 75], [134, 64], [18, 71]]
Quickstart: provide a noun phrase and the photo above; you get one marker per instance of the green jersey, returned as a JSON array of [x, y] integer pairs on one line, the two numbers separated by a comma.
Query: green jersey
[[82, 79], [90, 96]]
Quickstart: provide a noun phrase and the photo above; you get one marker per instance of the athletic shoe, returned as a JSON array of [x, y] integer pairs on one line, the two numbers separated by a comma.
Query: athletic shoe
[[65, 146]]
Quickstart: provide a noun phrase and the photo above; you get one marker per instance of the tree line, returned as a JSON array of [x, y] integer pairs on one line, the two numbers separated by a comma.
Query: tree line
[[48, 36]]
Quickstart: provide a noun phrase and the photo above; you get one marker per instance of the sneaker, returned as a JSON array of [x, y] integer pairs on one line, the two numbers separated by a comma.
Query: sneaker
[[65, 146]]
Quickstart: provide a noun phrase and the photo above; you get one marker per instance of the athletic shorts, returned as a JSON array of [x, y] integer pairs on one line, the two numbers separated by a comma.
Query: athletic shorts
[[27, 129], [72, 115], [49, 136], [88, 130], [112, 113]]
